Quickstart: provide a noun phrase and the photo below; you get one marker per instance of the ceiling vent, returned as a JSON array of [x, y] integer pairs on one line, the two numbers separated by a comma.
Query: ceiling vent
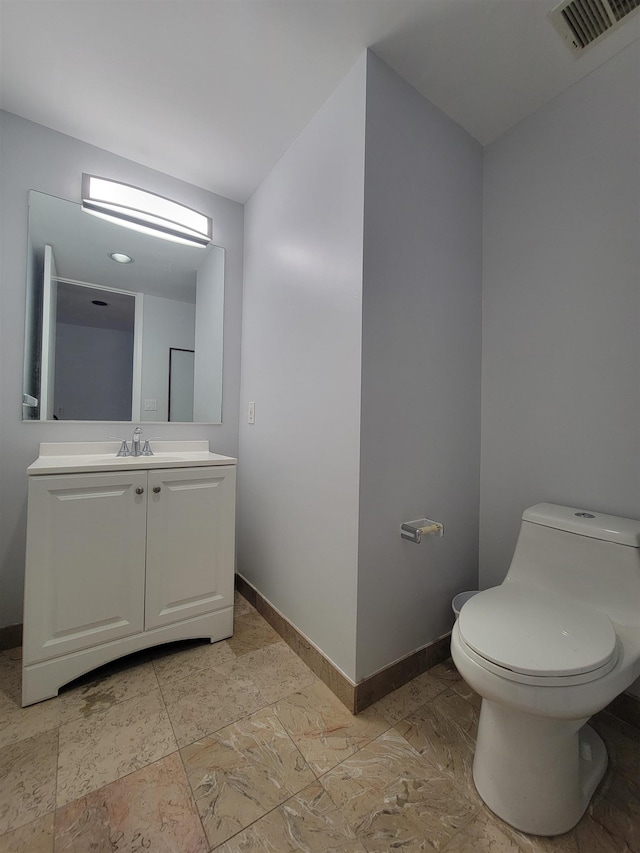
[[582, 22]]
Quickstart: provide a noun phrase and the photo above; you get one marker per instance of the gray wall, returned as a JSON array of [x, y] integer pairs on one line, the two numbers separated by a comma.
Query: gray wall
[[209, 336], [34, 157], [167, 323], [93, 373], [324, 485], [298, 469], [420, 438], [561, 341], [561, 310]]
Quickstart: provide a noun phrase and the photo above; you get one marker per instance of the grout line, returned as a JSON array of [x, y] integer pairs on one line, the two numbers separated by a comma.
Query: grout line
[[166, 710], [461, 828], [113, 781], [193, 799], [94, 717], [55, 790], [290, 736]]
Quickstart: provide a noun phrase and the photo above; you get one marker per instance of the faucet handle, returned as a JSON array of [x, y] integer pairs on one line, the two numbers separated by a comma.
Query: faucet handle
[[124, 447], [146, 447]]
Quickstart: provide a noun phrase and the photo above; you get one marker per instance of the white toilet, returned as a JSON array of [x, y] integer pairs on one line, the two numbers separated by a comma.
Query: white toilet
[[549, 647]]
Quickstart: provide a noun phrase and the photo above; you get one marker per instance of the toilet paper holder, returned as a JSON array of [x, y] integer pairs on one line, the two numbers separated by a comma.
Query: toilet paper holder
[[415, 530]]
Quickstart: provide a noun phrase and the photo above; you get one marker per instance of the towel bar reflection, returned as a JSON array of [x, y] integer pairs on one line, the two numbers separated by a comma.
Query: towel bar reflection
[[415, 530]]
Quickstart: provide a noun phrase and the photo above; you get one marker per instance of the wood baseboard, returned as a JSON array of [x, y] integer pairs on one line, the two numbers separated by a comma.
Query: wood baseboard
[[10, 637], [356, 697]]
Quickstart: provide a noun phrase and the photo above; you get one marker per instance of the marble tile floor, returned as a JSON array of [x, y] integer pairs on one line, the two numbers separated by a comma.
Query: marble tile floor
[[237, 746]]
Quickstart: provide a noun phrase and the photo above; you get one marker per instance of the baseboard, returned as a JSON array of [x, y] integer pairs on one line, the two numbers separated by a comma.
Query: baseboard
[[376, 686], [326, 671], [10, 637], [626, 707], [356, 697]]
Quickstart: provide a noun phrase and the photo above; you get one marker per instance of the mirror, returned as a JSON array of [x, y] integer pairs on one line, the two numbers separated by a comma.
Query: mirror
[[105, 340]]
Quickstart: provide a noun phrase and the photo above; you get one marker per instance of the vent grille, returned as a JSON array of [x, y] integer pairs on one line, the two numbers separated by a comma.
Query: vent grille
[[582, 22], [621, 8]]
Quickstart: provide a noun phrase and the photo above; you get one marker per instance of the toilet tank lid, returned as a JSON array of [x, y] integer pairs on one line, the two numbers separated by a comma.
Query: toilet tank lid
[[597, 525]]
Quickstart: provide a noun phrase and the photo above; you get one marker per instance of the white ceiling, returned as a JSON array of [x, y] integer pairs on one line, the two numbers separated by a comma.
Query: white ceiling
[[213, 91]]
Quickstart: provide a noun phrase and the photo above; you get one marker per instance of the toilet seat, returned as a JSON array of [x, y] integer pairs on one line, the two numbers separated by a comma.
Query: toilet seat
[[526, 634]]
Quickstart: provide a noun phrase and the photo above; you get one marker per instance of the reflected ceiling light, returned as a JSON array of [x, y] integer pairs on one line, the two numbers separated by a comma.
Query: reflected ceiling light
[[121, 258], [144, 211]]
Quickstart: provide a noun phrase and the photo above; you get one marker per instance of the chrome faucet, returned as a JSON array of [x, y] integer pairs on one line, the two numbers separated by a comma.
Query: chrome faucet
[[135, 442]]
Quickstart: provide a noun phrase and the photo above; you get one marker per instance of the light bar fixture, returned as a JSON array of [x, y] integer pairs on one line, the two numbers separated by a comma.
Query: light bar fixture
[[144, 211]]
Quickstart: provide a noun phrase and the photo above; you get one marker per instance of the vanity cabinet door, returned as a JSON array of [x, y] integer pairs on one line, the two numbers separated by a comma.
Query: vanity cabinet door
[[190, 543], [84, 582]]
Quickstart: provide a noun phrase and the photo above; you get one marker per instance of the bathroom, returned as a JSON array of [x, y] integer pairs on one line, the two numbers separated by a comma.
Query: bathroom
[[464, 375]]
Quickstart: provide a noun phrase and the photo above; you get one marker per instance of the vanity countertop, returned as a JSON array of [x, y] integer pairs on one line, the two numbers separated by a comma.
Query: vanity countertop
[[76, 457]]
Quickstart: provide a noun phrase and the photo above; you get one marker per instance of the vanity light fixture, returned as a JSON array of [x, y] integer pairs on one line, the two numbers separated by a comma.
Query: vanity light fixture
[[145, 211], [121, 258]]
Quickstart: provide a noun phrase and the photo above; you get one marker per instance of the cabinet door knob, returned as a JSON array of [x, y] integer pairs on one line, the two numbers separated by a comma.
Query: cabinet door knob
[[156, 489], [139, 490]]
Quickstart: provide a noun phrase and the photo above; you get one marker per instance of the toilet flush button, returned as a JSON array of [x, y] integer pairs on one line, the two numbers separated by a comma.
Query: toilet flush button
[[584, 514]]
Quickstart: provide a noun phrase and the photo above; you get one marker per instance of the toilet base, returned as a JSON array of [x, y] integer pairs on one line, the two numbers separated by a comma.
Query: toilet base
[[535, 773]]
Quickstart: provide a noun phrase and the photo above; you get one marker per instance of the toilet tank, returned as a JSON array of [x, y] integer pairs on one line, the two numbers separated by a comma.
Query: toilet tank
[[587, 556]]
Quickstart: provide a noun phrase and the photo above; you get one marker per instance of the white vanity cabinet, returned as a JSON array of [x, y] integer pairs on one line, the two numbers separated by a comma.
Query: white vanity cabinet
[[190, 543], [119, 560]]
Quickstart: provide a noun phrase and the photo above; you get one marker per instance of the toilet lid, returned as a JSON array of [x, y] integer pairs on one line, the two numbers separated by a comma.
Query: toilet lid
[[536, 632]]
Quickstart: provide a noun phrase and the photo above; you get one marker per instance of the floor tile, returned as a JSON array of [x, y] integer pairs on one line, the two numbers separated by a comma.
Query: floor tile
[[463, 689], [95, 695], [151, 809], [308, 822], [34, 837], [207, 701], [243, 772], [110, 744], [444, 732], [16, 722], [394, 799], [411, 696], [181, 660], [264, 727], [277, 671], [486, 833], [608, 829], [251, 632], [27, 780], [446, 671], [324, 731]]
